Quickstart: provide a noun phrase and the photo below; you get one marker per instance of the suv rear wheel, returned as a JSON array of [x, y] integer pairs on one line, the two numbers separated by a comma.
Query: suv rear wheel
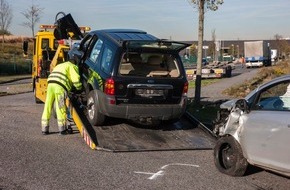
[[94, 115]]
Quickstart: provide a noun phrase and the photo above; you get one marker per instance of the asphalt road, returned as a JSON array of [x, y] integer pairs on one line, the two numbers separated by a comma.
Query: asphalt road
[[30, 161]]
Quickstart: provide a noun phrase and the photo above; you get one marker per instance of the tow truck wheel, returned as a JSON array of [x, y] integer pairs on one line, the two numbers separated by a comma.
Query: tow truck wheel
[[94, 115], [37, 100], [228, 157]]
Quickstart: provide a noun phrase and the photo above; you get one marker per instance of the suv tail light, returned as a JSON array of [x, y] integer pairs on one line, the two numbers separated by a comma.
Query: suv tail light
[[185, 88], [110, 87]]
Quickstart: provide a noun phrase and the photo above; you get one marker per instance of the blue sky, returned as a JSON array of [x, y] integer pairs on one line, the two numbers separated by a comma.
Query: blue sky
[[175, 19]]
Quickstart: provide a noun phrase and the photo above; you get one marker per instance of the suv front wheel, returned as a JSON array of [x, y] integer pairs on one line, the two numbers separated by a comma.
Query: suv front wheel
[[94, 115]]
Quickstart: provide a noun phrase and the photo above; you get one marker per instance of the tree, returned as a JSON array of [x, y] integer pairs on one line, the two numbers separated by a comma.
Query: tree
[[277, 42], [212, 47], [192, 49], [282, 45], [202, 5], [32, 15], [5, 18]]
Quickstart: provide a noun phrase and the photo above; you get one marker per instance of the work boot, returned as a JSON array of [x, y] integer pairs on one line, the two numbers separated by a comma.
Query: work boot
[[62, 132], [45, 132], [69, 130]]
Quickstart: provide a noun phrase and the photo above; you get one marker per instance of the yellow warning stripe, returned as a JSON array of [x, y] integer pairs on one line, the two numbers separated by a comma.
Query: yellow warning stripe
[[80, 126]]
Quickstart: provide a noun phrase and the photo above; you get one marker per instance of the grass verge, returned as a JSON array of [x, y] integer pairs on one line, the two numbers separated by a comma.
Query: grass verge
[[5, 79]]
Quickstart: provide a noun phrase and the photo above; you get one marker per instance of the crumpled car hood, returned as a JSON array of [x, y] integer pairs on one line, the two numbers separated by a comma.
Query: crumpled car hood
[[234, 124], [228, 104]]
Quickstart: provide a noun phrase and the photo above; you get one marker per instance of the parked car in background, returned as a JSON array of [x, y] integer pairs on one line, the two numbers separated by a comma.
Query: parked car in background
[[204, 62], [131, 74], [256, 131]]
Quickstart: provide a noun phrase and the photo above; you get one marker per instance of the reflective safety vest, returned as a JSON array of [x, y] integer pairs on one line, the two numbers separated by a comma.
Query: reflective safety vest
[[66, 75]]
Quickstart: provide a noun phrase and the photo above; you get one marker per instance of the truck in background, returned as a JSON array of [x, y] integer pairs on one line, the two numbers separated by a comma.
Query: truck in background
[[257, 54], [211, 70]]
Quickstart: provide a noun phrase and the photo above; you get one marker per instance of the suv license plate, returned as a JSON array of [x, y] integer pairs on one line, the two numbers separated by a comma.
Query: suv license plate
[[149, 92]]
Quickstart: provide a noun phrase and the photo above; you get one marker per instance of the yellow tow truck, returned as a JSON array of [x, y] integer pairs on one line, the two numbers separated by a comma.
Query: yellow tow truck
[[51, 45]]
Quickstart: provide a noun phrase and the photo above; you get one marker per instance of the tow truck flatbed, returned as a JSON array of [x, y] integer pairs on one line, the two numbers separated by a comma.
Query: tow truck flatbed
[[125, 136]]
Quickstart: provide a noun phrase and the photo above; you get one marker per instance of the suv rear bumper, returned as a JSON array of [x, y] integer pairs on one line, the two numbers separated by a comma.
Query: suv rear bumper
[[142, 111]]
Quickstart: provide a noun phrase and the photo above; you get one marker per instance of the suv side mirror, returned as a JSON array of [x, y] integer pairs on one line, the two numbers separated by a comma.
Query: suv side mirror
[[242, 105], [76, 45]]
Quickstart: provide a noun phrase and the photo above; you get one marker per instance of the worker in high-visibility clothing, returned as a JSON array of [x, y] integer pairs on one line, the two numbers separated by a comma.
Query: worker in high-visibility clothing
[[62, 80]]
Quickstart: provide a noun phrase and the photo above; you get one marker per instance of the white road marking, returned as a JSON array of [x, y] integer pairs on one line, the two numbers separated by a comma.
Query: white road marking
[[153, 175], [161, 172], [179, 164]]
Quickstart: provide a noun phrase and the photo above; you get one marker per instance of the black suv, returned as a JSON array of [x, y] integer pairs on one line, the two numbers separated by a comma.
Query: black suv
[[131, 74]]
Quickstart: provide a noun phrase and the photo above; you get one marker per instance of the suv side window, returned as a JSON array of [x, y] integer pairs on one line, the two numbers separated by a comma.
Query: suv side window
[[87, 45], [86, 42], [276, 97], [107, 60], [96, 51]]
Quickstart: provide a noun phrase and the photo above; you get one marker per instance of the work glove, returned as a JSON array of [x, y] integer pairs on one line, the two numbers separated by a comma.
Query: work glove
[[76, 91]]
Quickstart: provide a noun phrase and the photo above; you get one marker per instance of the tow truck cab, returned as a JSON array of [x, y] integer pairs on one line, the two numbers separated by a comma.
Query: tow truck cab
[[50, 47], [44, 48]]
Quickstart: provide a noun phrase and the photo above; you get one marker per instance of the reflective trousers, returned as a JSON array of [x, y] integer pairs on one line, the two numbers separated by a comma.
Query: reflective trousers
[[55, 94]]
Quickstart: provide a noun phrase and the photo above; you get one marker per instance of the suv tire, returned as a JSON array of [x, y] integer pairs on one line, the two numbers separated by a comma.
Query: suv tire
[[95, 117]]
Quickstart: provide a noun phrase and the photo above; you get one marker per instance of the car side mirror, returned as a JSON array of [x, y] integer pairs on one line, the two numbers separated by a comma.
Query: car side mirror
[[242, 105], [25, 48]]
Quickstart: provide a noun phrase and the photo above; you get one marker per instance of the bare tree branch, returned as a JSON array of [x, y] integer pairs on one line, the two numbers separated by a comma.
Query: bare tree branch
[[5, 17], [32, 15]]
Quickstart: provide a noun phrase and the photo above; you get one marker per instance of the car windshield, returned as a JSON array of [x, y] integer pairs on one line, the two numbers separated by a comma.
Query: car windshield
[[148, 64], [251, 97]]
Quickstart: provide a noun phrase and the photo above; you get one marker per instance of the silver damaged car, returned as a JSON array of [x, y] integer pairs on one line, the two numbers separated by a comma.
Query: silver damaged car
[[256, 131]]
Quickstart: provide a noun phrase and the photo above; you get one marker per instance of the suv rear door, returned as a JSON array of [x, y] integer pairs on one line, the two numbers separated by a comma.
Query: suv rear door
[[150, 72]]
